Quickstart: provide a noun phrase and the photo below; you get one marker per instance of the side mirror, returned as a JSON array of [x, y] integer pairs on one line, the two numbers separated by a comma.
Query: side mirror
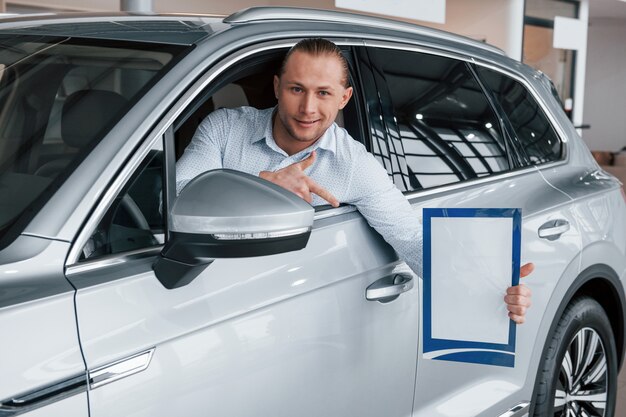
[[230, 214]]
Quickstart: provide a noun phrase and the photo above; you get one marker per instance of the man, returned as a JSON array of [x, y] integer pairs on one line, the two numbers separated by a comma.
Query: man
[[298, 146]]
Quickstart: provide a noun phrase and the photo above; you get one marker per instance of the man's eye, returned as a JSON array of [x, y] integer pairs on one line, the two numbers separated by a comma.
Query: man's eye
[[324, 93], [296, 89]]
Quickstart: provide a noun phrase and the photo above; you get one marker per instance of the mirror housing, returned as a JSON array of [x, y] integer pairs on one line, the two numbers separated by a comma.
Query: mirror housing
[[230, 214]]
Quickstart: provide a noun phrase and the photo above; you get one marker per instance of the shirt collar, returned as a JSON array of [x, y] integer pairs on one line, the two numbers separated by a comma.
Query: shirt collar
[[328, 141]]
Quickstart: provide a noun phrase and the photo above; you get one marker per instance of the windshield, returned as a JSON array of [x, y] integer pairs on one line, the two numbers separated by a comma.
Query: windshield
[[58, 97]]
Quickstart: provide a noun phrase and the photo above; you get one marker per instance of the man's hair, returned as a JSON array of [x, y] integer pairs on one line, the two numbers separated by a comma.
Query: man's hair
[[317, 47]]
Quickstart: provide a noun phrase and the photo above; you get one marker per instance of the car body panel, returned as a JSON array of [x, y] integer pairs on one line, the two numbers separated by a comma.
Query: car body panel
[[37, 315], [290, 333]]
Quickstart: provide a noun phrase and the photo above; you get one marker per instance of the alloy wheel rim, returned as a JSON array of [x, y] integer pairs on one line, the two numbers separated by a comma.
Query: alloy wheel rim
[[582, 385]]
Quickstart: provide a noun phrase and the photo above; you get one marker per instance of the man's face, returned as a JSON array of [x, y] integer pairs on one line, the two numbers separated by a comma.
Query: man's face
[[310, 93]]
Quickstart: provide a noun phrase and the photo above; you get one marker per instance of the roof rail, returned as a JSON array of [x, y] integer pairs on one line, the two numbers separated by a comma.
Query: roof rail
[[258, 14]]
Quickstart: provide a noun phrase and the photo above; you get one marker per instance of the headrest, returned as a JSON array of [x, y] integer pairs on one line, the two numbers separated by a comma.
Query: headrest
[[229, 96], [86, 113]]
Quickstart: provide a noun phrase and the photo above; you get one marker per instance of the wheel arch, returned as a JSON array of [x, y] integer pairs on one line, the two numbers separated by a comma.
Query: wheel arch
[[601, 283]]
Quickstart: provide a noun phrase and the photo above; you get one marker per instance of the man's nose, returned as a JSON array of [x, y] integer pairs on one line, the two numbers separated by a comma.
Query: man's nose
[[308, 103]]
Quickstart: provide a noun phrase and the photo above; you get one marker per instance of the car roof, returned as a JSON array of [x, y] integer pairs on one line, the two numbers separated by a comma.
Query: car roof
[[276, 14], [190, 29], [163, 28]]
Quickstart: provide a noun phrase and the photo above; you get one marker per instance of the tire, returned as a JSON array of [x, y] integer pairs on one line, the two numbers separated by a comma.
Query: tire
[[572, 378]]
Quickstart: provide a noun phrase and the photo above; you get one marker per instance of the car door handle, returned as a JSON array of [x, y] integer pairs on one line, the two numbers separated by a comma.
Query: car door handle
[[553, 229], [389, 288]]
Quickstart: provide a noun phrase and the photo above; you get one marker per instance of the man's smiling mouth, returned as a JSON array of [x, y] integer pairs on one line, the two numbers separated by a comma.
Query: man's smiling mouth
[[307, 122]]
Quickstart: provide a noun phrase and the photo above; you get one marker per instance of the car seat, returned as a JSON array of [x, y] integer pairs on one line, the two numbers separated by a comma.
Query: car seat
[[85, 116]]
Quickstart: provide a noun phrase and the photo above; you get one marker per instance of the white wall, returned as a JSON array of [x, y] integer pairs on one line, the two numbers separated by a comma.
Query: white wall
[[77, 5], [605, 85], [498, 22]]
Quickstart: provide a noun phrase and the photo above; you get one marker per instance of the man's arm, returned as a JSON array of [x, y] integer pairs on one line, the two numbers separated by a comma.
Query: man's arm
[[386, 209]]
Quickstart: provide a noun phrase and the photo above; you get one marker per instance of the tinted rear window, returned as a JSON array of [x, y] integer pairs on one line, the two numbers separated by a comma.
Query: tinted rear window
[[445, 128], [532, 128]]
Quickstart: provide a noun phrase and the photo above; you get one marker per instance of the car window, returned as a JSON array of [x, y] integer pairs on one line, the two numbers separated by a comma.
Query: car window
[[532, 128], [250, 83], [134, 220], [58, 98], [443, 128]]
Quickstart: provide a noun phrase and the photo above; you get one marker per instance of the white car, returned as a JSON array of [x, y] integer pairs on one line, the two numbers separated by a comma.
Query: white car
[[118, 298]]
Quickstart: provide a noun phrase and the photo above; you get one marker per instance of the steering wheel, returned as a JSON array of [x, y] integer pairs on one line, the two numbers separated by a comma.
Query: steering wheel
[[132, 209], [110, 237]]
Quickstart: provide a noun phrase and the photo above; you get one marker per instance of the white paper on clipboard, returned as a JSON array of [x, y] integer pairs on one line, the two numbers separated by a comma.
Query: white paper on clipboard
[[470, 271]]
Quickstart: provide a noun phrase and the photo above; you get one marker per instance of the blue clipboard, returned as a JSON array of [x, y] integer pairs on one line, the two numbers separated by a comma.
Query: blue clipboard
[[472, 351]]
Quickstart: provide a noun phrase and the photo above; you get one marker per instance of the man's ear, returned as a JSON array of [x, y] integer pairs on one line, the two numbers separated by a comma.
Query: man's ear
[[276, 85], [345, 98]]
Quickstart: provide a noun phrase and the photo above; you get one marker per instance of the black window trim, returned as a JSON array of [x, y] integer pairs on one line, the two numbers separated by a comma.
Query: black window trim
[[382, 118], [512, 150]]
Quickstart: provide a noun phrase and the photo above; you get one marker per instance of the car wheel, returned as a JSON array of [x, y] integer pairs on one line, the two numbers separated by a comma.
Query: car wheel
[[578, 374]]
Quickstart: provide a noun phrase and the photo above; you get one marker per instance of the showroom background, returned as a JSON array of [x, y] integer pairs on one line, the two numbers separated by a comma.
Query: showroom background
[[588, 64]]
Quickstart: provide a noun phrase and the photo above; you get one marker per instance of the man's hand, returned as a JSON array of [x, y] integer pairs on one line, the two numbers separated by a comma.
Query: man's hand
[[517, 298], [295, 180]]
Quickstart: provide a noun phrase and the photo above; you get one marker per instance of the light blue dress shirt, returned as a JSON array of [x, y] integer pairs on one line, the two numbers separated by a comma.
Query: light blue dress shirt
[[242, 139]]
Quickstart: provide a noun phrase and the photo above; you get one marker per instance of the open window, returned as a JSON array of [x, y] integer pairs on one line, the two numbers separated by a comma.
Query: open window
[[249, 82]]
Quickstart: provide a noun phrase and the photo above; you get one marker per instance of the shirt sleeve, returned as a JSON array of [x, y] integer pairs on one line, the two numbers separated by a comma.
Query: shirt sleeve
[[387, 210], [205, 150]]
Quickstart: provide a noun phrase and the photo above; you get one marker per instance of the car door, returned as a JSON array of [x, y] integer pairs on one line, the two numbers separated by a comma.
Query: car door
[[281, 335], [452, 147]]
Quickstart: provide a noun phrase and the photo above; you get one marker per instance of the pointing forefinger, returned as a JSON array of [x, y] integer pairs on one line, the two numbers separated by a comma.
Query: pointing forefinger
[[323, 193]]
